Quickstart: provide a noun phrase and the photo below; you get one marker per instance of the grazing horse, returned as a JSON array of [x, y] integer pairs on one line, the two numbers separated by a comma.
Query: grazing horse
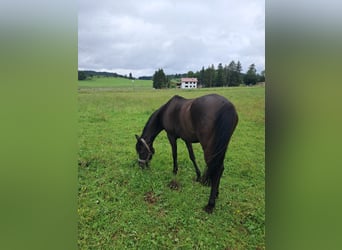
[[209, 120]]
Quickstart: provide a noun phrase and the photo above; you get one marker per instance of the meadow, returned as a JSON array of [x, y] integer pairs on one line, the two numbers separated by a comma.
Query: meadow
[[121, 206], [117, 83]]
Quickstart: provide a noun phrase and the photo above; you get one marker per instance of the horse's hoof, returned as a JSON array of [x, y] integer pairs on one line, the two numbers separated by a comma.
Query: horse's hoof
[[209, 209]]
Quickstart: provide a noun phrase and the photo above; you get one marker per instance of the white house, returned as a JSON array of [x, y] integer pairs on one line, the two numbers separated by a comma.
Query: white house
[[188, 83]]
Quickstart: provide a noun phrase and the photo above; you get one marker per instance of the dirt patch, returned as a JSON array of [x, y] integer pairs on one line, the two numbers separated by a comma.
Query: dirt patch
[[150, 197], [174, 185], [84, 163]]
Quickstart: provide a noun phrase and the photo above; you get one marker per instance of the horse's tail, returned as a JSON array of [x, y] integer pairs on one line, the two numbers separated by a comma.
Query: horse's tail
[[225, 124]]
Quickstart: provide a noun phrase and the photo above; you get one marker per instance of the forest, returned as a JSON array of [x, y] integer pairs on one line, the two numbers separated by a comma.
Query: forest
[[228, 75], [222, 76]]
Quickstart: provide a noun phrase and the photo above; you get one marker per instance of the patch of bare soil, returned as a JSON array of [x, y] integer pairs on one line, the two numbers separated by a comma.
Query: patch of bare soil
[[174, 185], [150, 197]]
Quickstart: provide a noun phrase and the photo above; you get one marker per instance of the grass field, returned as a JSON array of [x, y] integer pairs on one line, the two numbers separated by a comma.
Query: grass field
[[117, 83], [121, 206]]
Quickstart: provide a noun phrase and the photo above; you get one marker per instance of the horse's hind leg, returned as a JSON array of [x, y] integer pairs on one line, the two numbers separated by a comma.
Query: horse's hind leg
[[215, 182], [173, 143], [192, 157], [218, 184]]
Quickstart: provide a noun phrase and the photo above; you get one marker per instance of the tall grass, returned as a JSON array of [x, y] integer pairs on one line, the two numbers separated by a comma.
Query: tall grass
[[122, 206]]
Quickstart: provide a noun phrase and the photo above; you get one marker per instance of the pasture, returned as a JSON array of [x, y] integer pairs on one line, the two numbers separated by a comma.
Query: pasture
[[121, 206]]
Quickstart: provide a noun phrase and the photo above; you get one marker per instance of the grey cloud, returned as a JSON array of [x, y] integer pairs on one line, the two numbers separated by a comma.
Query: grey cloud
[[142, 36]]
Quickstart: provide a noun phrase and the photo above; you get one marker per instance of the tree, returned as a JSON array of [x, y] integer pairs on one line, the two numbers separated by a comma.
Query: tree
[[231, 74], [261, 77], [251, 77], [159, 79], [238, 73], [209, 76], [212, 73], [219, 80], [130, 76], [201, 76], [190, 74], [81, 75]]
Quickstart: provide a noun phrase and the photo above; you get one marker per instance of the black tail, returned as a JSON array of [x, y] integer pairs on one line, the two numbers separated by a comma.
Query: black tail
[[225, 124]]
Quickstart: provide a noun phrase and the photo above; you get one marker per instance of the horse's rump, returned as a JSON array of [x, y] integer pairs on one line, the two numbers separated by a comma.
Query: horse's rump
[[215, 118]]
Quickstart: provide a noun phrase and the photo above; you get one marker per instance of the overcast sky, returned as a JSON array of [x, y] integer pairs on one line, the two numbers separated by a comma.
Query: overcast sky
[[142, 36]]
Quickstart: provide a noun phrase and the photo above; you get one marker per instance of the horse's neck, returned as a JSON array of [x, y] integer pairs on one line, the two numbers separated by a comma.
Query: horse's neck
[[153, 126]]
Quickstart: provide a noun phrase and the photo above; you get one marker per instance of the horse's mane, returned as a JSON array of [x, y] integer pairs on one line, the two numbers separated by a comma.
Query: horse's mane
[[154, 124], [155, 118]]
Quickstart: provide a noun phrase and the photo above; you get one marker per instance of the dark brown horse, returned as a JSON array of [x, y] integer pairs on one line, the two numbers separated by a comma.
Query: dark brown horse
[[209, 120]]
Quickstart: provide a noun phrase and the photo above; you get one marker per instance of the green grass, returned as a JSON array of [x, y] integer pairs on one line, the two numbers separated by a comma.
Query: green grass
[[117, 83], [124, 207]]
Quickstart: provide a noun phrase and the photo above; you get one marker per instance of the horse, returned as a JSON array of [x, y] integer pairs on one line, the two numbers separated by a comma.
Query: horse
[[209, 120]]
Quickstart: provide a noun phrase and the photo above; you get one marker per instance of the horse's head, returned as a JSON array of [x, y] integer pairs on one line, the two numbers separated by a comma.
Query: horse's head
[[144, 151]]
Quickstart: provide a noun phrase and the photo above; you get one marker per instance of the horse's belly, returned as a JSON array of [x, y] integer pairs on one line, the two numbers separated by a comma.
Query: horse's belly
[[190, 137], [187, 131]]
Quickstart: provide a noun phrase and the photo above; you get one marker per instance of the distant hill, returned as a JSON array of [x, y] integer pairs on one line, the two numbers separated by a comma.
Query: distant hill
[[91, 73], [145, 77]]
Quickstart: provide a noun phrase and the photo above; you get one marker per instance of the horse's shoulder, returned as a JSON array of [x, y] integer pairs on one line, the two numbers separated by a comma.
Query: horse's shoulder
[[176, 99]]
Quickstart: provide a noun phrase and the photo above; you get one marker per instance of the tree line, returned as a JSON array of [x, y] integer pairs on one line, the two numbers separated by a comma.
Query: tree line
[[88, 74], [222, 76]]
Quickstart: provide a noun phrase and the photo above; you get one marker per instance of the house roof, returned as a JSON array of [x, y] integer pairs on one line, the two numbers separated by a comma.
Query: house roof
[[188, 79]]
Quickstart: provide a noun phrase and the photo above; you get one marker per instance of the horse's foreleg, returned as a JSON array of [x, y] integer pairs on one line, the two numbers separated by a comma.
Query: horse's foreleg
[[173, 142], [192, 157]]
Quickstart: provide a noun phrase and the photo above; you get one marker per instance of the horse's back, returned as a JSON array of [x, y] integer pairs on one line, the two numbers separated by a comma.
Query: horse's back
[[197, 119], [212, 101], [206, 109]]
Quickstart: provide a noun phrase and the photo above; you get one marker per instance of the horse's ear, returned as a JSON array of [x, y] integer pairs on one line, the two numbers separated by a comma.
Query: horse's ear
[[138, 138]]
